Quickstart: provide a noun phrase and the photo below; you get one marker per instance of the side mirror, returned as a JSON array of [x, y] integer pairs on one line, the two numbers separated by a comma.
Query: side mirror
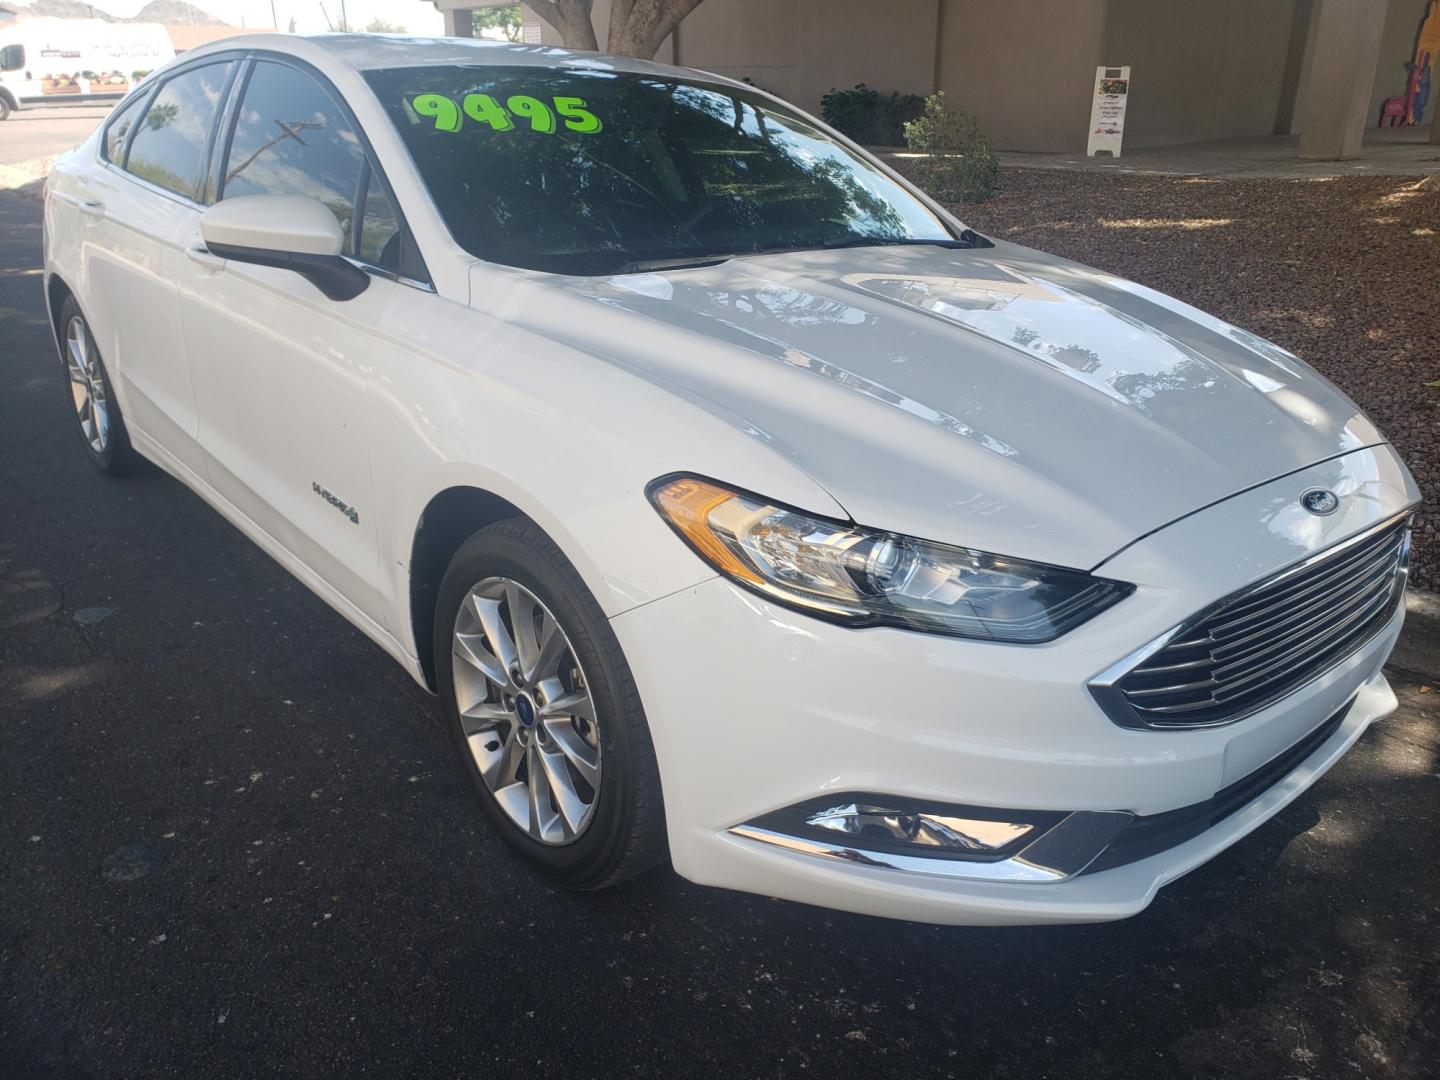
[[292, 232]]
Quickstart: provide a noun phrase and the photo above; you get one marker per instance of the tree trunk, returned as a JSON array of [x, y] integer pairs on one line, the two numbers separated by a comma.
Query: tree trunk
[[572, 19], [637, 27]]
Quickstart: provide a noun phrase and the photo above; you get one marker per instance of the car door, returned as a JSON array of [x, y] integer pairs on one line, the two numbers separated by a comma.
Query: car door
[[279, 371], [140, 210]]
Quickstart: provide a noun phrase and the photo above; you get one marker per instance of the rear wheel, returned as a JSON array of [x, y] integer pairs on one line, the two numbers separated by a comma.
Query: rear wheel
[[543, 711], [97, 414], [5, 107]]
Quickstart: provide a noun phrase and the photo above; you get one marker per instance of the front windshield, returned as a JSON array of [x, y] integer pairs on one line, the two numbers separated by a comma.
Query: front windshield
[[593, 171]]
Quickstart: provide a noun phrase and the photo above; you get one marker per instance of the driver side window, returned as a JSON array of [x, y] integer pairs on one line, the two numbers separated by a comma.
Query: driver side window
[[291, 139]]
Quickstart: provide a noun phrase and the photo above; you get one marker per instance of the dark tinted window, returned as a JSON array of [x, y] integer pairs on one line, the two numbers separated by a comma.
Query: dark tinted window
[[119, 126], [290, 139], [581, 171], [169, 147], [12, 58], [379, 229]]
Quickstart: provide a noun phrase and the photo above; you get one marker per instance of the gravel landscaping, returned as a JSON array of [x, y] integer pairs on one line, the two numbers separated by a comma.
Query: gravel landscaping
[[1343, 272]]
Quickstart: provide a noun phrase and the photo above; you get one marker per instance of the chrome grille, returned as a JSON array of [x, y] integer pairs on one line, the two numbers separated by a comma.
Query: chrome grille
[[1258, 645]]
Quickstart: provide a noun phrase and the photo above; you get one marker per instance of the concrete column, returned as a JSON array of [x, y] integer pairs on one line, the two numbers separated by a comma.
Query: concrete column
[[1292, 77], [458, 23], [1336, 102]]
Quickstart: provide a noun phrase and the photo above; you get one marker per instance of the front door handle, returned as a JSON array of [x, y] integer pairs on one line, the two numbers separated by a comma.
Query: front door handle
[[202, 256]]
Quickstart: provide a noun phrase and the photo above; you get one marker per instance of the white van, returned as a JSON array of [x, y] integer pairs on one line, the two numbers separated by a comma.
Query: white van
[[65, 61]]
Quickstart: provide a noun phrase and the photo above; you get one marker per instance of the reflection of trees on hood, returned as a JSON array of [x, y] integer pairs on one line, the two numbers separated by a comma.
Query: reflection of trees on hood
[[1184, 376], [1079, 358]]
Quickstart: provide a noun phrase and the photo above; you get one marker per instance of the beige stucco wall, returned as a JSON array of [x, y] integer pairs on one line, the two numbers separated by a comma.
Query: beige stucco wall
[[1200, 71], [801, 49], [1397, 44], [1025, 70]]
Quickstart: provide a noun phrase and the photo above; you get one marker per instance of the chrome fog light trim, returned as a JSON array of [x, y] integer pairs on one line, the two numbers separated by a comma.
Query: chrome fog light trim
[[1060, 851], [942, 830]]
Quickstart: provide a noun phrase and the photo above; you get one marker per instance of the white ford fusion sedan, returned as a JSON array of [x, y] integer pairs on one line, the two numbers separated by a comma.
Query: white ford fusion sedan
[[739, 503]]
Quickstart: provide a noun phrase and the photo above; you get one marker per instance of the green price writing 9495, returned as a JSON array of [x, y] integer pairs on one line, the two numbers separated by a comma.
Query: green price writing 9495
[[450, 115]]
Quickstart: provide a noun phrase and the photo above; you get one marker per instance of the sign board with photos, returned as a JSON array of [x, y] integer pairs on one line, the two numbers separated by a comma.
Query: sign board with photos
[[1107, 113]]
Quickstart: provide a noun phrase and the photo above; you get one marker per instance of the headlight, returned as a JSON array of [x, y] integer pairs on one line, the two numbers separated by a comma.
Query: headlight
[[868, 578]]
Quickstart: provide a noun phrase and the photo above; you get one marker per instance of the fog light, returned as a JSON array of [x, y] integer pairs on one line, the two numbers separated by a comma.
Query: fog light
[[925, 828], [939, 840], [895, 824]]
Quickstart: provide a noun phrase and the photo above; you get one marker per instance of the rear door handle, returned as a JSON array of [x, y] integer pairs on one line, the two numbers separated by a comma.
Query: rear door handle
[[204, 257], [93, 208]]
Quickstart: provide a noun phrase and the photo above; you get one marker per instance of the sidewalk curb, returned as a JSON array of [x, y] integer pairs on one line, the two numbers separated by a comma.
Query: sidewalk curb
[[26, 178]]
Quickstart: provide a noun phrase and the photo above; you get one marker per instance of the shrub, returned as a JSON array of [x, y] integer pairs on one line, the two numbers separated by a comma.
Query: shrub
[[959, 166], [868, 116]]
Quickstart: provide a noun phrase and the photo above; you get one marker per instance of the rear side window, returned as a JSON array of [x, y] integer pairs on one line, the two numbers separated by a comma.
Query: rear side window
[[291, 139], [119, 126], [12, 58], [169, 146]]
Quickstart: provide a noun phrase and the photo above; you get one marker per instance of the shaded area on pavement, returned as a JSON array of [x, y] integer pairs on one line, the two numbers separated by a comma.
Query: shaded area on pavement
[[233, 843]]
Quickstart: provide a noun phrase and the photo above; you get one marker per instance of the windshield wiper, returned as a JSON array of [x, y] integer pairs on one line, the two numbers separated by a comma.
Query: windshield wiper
[[680, 262], [968, 239]]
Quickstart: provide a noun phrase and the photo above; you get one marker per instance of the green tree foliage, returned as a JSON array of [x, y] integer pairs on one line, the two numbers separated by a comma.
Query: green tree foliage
[[506, 18], [380, 26], [959, 165]]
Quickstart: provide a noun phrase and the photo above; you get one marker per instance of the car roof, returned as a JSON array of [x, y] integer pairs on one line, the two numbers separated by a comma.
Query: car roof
[[367, 52]]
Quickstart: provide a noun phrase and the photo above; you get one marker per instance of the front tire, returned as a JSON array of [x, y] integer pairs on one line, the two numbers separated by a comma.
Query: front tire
[[97, 413], [543, 712]]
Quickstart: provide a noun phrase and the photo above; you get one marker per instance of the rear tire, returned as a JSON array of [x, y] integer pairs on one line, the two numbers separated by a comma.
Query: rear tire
[[5, 107], [547, 726], [97, 413]]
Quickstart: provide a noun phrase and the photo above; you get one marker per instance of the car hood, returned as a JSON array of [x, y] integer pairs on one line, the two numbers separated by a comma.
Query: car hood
[[998, 398]]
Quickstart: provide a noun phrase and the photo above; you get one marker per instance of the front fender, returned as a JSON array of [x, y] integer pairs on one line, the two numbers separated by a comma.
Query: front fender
[[465, 399]]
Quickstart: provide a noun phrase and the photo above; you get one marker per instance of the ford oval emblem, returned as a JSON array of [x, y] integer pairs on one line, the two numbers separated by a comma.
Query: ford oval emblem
[[1320, 501]]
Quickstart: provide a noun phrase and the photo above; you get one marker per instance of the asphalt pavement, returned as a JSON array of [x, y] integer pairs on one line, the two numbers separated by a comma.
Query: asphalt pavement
[[37, 133], [233, 844]]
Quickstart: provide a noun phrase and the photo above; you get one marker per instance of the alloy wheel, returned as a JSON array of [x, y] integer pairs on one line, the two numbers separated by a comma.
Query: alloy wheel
[[87, 385], [526, 711]]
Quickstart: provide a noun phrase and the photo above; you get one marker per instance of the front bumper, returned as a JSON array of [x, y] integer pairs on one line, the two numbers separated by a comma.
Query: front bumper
[[754, 708]]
